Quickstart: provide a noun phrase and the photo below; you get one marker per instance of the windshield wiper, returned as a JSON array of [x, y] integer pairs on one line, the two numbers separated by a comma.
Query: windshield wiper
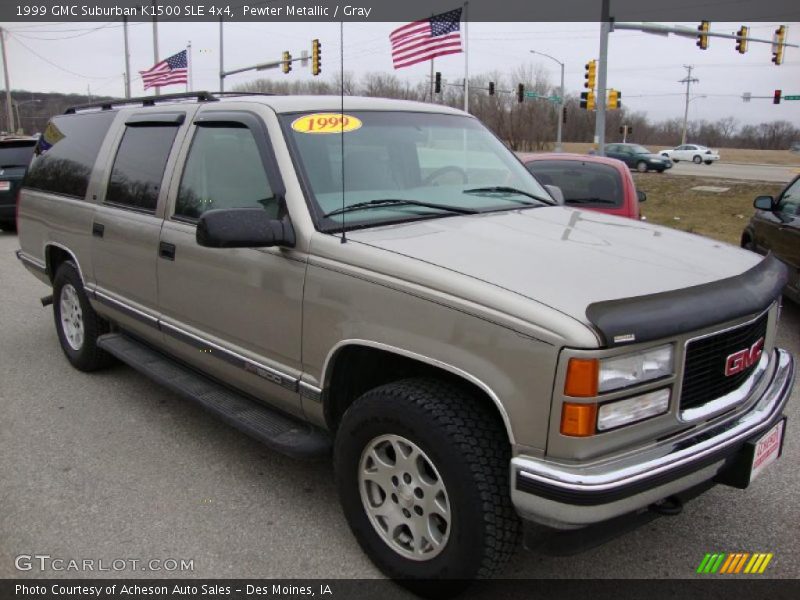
[[503, 189], [380, 203]]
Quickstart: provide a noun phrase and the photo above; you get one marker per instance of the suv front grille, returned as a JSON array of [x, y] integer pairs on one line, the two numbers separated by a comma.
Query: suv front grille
[[704, 376]]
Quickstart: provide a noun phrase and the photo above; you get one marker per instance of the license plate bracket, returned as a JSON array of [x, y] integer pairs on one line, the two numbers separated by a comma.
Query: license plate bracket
[[755, 455]]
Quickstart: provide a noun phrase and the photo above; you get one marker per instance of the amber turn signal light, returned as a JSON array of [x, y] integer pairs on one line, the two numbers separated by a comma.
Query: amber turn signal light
[[578, 420], [582, 377]]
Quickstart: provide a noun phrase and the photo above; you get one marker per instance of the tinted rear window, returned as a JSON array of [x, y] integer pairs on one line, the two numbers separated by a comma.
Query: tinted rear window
[[66, 153], [584, 184], [16, 154], [139, 166]]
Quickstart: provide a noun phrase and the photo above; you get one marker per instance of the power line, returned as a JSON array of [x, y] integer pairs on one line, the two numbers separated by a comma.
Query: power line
[[51, 63]]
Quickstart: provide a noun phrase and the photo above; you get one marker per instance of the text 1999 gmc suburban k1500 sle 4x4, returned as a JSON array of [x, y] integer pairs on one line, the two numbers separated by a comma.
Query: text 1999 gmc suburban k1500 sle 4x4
[[386, 279]]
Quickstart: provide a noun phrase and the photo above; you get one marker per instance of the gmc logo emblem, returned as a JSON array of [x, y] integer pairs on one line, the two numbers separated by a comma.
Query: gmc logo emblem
[[743, 359]]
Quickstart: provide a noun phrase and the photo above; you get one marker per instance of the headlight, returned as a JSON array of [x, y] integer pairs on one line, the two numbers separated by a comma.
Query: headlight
[[586, 377], [623, 371], [631, 410]]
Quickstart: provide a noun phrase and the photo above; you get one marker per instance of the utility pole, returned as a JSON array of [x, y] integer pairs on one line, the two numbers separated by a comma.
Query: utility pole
[[9, 112], [127, 58], [221, 63], [688, 80], [600, 100], [155, 44]]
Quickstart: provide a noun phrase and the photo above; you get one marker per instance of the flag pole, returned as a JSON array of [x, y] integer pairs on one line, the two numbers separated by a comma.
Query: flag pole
[[466, 56], [189, 66], [432, 77], [155, 46]]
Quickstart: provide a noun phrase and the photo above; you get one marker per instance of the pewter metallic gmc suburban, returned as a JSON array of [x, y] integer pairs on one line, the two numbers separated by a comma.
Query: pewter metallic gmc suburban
[[386, 279]]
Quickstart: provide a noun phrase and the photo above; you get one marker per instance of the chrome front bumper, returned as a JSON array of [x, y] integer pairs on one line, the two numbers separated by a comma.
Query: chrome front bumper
[[568, 495]]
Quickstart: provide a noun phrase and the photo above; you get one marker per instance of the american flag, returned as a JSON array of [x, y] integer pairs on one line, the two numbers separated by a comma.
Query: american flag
[[426, 39], [169, 71]]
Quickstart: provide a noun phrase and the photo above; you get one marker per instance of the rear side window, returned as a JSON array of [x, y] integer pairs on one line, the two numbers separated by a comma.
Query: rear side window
[[139, 166], [66, 152], [584, 184], [224, 169]]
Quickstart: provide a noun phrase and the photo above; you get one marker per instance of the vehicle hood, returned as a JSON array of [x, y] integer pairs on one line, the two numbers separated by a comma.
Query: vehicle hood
[[563, 258]]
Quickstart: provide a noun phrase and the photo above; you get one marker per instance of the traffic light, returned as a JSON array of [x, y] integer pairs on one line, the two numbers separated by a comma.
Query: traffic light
[[491, 88], [587, 100], [591, 74], [776, 98], [741, 43], [286, 64], [520, 93], [778, 40], [614, 99], [316, 57], [437, 83], [702, 38]]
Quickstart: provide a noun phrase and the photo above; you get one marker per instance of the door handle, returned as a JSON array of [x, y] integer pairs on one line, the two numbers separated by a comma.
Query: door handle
[[98, 229], [166, 250]]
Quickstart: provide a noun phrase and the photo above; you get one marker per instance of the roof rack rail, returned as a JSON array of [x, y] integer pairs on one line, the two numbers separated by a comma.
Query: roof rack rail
[[143, 101], [243, 93]]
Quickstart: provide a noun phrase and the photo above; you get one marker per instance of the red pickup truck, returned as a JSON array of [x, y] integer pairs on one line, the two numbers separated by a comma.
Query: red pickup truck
[[587, 181]]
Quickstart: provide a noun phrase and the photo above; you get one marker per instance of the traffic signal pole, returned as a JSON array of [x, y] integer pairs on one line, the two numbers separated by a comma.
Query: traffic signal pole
[[600, 101]]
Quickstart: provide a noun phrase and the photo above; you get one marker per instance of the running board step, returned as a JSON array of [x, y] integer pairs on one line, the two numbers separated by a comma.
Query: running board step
[[282, 433]]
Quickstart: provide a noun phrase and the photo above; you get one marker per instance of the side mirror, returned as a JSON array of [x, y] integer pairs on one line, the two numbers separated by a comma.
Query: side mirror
[[243, 228], [641, 196], [764, 203], [556, 193]]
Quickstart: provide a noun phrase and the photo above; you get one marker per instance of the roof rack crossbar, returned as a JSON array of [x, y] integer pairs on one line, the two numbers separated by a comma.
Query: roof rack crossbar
[[143, 101]]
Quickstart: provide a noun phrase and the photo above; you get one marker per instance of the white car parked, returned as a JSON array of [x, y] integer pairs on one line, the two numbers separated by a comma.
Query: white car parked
[[693, 152]]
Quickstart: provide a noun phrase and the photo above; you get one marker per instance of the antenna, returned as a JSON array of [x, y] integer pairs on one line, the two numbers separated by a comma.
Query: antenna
[[341, 119]]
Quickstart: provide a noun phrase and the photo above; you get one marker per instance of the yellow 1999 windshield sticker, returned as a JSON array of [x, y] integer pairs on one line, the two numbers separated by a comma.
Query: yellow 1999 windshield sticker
[[326, 123]]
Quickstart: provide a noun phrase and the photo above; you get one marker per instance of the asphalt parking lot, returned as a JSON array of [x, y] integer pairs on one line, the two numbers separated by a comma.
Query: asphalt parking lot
[[110, 465]]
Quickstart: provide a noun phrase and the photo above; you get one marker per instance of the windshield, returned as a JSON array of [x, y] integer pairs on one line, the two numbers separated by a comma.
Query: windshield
[[402, 166], [583, 183], [636, 149], [16, 154]]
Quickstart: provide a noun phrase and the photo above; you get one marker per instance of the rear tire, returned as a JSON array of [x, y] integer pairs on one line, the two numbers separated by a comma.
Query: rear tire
[[641, 166], [77, 324], [461, 498], [697, 160]]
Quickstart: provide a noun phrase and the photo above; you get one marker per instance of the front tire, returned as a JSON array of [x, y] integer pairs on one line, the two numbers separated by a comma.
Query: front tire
[[422, 473], [10, 226], [77, 324], [641, 166]]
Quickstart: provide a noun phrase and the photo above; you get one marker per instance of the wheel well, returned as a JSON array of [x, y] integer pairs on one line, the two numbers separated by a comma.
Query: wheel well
[[356, 369], [54, 257]]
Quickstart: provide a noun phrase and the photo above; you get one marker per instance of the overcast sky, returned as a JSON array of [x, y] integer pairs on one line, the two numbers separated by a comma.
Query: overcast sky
[[66, 57]]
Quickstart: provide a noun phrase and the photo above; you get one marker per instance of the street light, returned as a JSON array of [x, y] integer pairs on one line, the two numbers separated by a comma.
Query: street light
[[561, 103], [17, 104]]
